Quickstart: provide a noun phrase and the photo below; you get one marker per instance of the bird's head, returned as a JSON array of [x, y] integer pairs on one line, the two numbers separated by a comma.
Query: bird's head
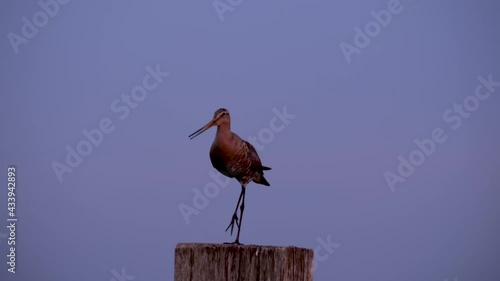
[[221, 119]]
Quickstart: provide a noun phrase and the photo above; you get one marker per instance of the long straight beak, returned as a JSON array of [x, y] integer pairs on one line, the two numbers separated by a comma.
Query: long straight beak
[[202, 129]]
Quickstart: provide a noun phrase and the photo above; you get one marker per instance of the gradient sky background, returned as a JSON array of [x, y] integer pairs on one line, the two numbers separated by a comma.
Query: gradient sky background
[[120, 207]]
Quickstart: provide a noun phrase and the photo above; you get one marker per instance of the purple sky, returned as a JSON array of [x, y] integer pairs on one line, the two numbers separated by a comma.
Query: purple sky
[[104, 64]]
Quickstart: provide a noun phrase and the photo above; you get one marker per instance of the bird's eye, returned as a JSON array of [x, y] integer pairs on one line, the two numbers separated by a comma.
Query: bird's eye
[[223, 114]]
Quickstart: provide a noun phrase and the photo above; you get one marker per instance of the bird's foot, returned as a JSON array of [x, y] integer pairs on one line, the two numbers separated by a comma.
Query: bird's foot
[[231, 225], [233, 243]]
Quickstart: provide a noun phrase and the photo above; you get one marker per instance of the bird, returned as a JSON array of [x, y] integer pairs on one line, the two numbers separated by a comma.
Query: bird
[[234, 158]]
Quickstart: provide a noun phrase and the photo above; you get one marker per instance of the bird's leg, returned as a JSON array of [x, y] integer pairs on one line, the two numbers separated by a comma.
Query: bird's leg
[[242, 208], [235, 215]]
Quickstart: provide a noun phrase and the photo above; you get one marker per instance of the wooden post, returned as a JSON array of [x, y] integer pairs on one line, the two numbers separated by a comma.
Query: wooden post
[[225, 262]]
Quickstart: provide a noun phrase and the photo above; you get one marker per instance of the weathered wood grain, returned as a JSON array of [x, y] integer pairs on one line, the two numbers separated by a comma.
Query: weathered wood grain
[[223, 262]]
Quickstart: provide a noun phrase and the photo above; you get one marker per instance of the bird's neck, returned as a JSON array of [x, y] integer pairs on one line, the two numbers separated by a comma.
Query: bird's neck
[[223, 130]]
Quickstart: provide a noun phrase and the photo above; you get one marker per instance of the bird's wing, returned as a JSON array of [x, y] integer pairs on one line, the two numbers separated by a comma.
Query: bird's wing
[[256, 164]]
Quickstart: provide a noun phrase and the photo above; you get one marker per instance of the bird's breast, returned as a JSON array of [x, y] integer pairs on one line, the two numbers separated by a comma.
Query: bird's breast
[[226, 158]]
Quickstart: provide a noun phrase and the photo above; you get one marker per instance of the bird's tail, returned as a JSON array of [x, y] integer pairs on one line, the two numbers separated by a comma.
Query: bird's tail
[[260, 168], [263, 181]]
